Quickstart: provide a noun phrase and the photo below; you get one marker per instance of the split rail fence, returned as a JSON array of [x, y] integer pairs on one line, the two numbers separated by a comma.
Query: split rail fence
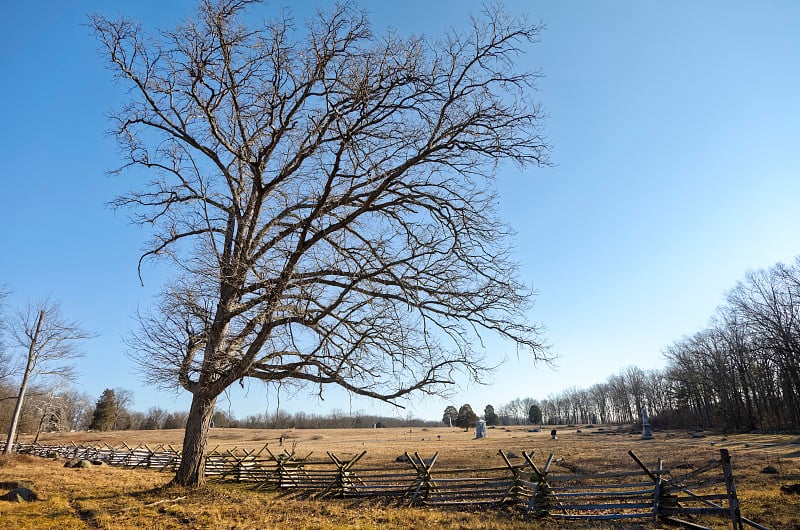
[[534, 489]]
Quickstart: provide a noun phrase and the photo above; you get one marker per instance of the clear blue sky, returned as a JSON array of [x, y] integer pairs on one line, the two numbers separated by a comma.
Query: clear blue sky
[[676, 141]]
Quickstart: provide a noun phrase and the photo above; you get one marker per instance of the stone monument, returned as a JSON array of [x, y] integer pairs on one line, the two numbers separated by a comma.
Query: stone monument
[[647, 434], [480, 429]]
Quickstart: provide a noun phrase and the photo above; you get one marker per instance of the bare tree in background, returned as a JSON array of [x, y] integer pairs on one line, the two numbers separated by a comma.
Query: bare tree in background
[[47, 343], [328, 196], [124, 399], [50, 409]]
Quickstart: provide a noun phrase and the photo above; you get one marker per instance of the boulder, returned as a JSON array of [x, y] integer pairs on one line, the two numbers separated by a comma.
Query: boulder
[[20, 495], [80, 464], [791, 488]]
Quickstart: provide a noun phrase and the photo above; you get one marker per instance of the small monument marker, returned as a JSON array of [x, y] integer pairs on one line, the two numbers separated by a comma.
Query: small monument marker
[[480, 429], [647, 434]]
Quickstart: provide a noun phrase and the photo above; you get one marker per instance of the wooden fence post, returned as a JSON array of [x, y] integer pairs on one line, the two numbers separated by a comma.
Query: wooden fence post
[[345, 478], [424, 479], [657, 491], [730, 486], [542, 498], [515, 492]]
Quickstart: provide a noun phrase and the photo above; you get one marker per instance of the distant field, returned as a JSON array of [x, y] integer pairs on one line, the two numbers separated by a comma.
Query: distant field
[[588, 449], [595, 448]]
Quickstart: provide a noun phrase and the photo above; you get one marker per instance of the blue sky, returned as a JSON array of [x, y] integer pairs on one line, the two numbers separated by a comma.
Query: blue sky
[[675, 129]]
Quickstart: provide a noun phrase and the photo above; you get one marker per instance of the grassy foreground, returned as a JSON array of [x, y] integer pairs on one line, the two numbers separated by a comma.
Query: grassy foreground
[[116, 498]]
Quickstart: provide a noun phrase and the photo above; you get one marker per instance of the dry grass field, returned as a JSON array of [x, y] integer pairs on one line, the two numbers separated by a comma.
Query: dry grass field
[[106, 497]]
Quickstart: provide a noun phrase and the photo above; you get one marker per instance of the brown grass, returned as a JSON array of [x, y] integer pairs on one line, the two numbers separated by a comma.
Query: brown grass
[[105, 497]]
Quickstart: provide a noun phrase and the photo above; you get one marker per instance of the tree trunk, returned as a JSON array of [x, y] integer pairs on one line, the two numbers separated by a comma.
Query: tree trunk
[[12, 429], [195, 439], [39, 429], [23, 387]]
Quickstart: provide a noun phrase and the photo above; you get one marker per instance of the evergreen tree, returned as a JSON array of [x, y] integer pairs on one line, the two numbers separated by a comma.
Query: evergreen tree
[[175, 420], [535, 414], [105, 412], [450, 416], [466, 417], [490, 415]]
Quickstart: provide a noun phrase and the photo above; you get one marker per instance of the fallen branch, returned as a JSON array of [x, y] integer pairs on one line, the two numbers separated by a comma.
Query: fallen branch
[[176, 499]]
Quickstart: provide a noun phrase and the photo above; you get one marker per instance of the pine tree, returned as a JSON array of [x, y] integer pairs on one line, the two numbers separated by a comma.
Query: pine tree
[[466, 417], [450, 416], [535, 414], [490, 415], [105, 412]]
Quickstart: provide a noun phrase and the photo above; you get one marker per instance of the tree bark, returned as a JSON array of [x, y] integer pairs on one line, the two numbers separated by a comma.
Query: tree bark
[[39, 428], [193, 463], [23, 387]]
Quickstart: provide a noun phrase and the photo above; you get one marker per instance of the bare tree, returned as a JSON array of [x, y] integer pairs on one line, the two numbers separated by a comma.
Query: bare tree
[[599, 395], [51, 412], [768, 303], [328, 197], [124, 400], [153, 419], [78, 411], [47, 343]]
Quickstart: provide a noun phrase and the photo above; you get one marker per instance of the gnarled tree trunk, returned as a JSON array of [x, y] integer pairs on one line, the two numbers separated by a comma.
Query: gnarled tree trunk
[[193, 463]]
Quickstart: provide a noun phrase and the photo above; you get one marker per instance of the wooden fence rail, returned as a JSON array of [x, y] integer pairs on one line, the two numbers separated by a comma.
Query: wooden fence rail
[[642, 493]]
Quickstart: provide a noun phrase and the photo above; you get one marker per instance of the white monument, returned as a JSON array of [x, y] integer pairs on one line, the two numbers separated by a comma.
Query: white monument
[[480, 429], [647, 434]]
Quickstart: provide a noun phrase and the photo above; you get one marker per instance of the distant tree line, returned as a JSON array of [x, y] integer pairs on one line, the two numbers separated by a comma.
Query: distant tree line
[[47, 410], [740, 373], [335, 419], [38, 392], [743, 371]]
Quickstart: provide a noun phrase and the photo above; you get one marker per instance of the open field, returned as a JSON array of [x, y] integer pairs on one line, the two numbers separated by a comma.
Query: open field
[[104, 497]]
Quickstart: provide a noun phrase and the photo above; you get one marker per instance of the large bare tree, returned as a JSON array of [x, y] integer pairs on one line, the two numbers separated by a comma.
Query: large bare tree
[[327, 196], [47, 343]]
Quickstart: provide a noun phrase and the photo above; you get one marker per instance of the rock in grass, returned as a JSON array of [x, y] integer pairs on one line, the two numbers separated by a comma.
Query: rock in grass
[[791, 488], [20, 495], [81, 464]]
